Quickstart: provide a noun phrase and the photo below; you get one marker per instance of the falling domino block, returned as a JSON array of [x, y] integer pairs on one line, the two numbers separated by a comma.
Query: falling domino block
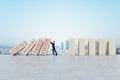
[[91, 47], [71, 47], [37, 47], [111, 47], [17, 48], [28, 48], [45, 46], [81, 47], [102, 44]]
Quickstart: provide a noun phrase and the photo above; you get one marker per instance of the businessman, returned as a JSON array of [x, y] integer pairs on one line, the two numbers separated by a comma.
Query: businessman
[[53, 47]]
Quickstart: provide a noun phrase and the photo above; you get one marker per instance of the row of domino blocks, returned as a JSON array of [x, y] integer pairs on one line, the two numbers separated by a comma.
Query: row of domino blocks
[[36, 47], [104, 47]]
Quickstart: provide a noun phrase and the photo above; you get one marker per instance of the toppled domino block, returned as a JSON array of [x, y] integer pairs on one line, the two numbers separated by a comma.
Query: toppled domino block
[[91, 47], [17, 48], [45, 46], [37, 47], [111, 47], [81, 47], [102, 45], [71, 49], [28, 48]]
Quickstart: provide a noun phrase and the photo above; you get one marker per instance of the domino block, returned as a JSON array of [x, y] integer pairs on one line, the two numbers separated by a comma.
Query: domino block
[[45, 46], [37, 47], [71, 49], [17, 48], [81, 47], [111, 47], [29, 47], [91, 47], [102, 44]]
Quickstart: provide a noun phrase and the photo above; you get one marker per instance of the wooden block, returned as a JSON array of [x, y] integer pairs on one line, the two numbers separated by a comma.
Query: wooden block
[[45, 46], [29, 47], [91, 47], [102, 46], [37, 47], [17, 48], [71, 49], [81, 47], [111, 47]]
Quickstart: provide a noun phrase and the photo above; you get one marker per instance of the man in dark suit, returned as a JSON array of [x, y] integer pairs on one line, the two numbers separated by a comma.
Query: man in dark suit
[[53, 48]]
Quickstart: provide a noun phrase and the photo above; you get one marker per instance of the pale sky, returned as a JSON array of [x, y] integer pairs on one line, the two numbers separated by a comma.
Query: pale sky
[[58, 19]]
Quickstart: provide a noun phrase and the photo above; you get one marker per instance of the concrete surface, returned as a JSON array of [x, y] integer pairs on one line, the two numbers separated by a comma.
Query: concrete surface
[[61, 67]]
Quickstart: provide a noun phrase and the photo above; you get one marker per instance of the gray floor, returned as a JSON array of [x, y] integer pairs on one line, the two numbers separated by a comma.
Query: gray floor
[[62, 67]]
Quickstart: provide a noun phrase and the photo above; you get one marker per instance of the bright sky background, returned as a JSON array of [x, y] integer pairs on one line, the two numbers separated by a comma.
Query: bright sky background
[[58, 19]]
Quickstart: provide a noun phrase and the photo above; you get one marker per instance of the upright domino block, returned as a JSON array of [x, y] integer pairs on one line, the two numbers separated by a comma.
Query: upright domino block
[[111, 47], [28, 48], [37, 47], [17, 48], [81, 47], [45, 46], [71, 49], [91, 47], [102, 44]]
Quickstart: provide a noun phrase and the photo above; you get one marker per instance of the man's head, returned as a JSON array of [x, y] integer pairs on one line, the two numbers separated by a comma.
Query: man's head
[[54, 41]]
